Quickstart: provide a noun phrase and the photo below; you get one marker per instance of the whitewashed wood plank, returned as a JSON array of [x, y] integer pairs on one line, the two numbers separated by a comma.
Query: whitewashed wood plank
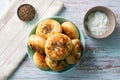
[[102, 58]]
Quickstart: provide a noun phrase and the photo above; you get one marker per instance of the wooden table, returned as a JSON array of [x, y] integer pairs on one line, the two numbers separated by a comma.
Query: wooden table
[[102, 57]]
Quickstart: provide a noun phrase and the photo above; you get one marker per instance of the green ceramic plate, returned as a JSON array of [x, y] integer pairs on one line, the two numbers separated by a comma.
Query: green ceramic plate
[[60, 20]]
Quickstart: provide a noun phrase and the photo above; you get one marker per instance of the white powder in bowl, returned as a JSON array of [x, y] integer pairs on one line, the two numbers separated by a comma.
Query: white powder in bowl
[[97, 23]]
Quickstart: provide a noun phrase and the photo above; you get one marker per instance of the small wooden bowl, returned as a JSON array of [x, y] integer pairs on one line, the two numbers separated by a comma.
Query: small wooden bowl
[[111, 17]]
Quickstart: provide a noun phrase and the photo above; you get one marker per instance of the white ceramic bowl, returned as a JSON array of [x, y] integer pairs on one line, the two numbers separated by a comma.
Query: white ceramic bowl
[[111, 17]]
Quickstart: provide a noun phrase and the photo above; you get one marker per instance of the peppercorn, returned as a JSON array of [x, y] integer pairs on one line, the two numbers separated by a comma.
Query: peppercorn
[[26, 12]]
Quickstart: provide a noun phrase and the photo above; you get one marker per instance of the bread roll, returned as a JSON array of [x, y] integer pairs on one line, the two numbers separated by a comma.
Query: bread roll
[[58, 46], [36, 43], [76, 53], [39, 61], [70, 30], [48, 27], [56, 65]]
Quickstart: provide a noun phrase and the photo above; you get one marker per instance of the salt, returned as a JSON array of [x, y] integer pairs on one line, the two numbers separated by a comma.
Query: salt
[[97, 23]]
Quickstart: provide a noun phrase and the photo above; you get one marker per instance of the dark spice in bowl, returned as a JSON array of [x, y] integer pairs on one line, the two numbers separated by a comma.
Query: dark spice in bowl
[[26, 12]]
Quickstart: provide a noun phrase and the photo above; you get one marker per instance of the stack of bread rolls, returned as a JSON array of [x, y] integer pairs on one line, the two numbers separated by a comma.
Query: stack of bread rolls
[[56, 45]]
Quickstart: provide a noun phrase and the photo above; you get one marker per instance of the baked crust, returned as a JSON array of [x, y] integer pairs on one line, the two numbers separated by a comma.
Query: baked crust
[[39, 61], [36, 43], [58, 46], [48, 27], [76, 52], [56, 65], [70, 30]]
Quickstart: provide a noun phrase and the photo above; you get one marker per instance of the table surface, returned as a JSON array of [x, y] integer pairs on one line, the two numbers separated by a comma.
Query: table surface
[[102, 57]]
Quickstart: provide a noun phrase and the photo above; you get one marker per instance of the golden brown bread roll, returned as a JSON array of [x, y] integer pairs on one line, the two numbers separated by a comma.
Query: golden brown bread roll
[[56, 65], [76, 53], [39, 61], [48, 27], [70, 30], [36, 43], [58, 46]]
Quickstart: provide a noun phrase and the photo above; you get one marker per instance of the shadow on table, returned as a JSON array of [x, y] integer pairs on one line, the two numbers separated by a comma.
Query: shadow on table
[[111, 40], [93, 54], [95, 62], [90, 67], [61, 11]]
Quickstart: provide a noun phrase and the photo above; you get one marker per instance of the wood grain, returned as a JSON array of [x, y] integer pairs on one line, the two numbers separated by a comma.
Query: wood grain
[[102, 58]]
